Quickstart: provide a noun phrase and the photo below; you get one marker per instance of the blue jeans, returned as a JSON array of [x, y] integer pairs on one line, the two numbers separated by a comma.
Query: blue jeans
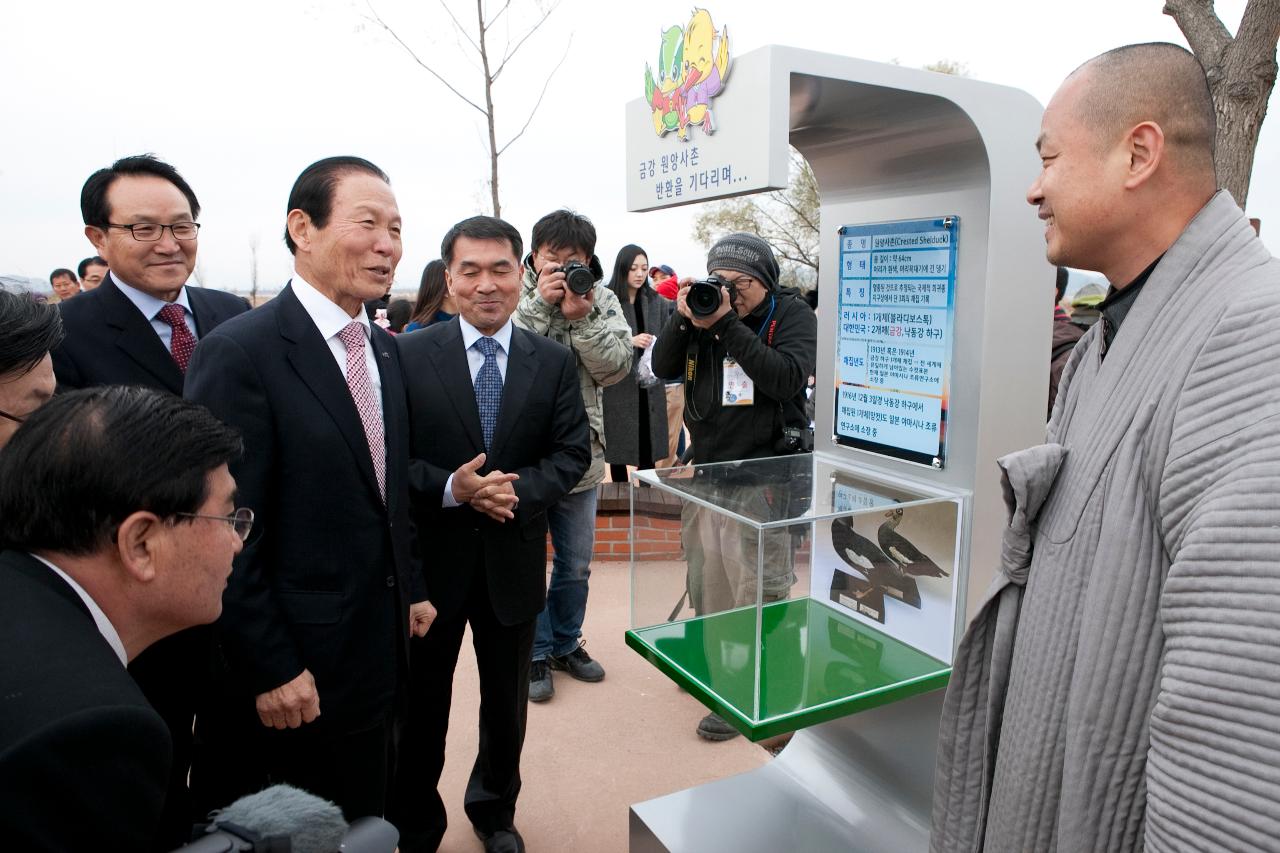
[[572, 521]]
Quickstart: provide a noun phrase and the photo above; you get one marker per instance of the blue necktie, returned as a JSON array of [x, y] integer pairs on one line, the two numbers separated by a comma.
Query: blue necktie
[[488, 388]]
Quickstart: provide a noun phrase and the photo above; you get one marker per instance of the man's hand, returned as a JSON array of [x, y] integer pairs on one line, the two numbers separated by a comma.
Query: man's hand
[[421, 615], [466, 482], [551, 284], [642, 340], [682, 305], [575, 307], [290, 705], [497, 500]]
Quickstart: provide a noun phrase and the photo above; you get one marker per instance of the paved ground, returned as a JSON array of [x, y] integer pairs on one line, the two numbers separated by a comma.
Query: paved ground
[[594, 749]]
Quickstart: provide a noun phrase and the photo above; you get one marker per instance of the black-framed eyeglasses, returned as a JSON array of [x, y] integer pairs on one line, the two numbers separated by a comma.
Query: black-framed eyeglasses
[[150, 232], [241, 520], [14, 418], [739, 282]]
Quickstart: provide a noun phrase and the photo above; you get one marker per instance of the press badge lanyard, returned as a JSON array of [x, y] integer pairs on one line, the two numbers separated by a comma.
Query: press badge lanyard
[[736, 387]]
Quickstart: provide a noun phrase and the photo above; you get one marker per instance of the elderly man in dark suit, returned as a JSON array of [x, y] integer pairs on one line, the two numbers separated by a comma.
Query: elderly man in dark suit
[[116, 510], [139, 328], [498, 434], [316, 626]]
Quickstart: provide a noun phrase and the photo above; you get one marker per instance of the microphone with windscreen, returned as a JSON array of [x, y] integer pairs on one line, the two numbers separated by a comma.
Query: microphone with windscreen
[[284, 819]]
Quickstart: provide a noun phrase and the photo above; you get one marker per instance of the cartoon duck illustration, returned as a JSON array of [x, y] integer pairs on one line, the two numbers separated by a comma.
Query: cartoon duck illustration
[[661, 93], [706, 65], [897, 546]]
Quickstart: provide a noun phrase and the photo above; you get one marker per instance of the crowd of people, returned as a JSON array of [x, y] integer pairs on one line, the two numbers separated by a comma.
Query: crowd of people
[[241, 546], [376, 493]]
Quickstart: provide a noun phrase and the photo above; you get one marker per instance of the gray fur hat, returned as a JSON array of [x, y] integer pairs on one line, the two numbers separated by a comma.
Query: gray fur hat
[[745, 253]]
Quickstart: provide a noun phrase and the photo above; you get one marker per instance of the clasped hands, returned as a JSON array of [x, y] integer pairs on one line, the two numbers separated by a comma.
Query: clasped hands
[[491, 494]]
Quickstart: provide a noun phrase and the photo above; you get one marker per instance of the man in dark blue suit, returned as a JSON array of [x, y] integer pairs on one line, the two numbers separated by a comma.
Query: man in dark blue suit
[[498, 435], [116, 507], [140, 325], [139, 328], [316, 623]]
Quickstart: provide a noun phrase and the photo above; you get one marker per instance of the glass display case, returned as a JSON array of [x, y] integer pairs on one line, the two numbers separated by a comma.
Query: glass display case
[[788, 591]]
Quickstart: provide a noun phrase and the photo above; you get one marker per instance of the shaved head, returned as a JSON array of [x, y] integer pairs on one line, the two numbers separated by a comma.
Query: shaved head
[[1157, 82]]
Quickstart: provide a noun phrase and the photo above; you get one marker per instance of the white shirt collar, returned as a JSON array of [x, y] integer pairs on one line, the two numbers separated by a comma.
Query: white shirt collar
[[470, 334], [328, 317], [149, 305], [105, 628]]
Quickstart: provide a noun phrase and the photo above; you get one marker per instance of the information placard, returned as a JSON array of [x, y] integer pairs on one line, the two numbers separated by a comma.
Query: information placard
[[893, 337]]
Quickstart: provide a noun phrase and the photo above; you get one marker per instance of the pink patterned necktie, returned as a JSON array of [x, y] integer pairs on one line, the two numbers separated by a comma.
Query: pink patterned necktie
[[182, 343], [353, 339]]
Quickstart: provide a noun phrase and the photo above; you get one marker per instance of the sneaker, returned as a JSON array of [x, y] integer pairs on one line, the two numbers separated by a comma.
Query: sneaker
[[540, 687], [578, 664], [714, 727]]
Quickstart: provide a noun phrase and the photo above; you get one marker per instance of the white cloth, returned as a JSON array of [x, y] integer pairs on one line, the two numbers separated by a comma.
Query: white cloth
[[150, 307], [475, 360], [331, 320], [105, 628]]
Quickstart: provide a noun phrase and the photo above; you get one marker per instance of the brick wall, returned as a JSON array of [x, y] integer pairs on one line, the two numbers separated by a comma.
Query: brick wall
[[657, 525]]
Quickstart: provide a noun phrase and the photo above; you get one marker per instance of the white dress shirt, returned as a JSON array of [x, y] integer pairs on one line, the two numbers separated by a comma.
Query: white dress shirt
[[150, 307], [331, 320], [475, 361], [105, 628]]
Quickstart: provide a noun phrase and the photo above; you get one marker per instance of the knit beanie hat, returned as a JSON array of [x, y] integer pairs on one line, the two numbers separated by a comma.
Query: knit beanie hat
[[745, 253]]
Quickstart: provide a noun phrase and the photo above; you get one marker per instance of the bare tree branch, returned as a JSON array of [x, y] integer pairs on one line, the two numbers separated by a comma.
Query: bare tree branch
[[510, 53], [499, 14], [378, 20], [541, 95], [1205, 32], [1259, 23], [457, 26]]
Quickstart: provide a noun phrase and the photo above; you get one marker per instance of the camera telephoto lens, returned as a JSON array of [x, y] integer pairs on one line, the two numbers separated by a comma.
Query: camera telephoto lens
[[704, 297], [578, 277]]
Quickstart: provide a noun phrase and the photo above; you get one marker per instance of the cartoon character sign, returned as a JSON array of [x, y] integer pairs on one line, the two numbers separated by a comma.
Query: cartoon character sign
[[693, 64]]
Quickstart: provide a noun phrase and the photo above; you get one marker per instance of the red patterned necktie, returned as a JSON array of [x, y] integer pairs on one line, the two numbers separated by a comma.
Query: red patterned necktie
[[353, 338], [182, 343]]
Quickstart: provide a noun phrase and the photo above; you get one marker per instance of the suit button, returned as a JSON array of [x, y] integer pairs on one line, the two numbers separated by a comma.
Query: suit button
[[391, 580]]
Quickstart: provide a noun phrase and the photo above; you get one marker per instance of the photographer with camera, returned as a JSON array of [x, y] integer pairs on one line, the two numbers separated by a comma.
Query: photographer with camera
[[564, 299], [745, 350]]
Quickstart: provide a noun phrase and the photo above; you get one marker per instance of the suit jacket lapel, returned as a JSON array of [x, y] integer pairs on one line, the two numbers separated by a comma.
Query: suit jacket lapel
[[313, 361], [137, 339], [522, 367], [206, 315], [450, 363]]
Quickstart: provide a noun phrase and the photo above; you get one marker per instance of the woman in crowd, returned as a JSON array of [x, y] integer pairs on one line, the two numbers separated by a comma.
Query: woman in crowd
[[434, 304], [635, 414]]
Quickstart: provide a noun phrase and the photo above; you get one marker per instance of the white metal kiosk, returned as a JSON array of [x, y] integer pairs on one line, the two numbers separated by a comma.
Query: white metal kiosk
[[933, 348]]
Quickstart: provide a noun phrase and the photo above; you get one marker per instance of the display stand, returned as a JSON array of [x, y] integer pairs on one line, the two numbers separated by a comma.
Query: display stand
[[933, 343]]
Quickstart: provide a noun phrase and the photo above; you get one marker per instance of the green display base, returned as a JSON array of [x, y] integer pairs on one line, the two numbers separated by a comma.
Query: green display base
[[817, 664]]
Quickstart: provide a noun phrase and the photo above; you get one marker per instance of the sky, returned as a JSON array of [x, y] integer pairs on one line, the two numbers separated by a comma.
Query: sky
[[241, 96]]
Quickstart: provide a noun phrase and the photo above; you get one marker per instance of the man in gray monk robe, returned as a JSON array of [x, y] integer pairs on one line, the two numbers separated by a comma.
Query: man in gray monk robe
[[1120, 687]]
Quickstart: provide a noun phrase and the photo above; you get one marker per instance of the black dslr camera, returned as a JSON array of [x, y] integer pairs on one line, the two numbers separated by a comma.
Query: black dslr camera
[[578, 277], [704, 296], [794, 440]]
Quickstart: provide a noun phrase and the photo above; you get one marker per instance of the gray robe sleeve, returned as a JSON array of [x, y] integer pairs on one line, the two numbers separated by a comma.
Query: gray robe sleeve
[[1213, 766], [969, 731]]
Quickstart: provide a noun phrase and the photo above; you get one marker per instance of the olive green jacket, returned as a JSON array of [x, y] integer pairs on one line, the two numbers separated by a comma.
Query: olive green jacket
[[601, 341]]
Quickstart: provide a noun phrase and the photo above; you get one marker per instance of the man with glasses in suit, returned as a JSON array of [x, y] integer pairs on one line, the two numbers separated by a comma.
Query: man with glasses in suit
[[139, 328]]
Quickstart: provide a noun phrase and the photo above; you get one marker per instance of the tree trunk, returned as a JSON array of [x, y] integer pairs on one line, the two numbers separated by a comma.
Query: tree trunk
[[488, 105], [1241, 73]]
